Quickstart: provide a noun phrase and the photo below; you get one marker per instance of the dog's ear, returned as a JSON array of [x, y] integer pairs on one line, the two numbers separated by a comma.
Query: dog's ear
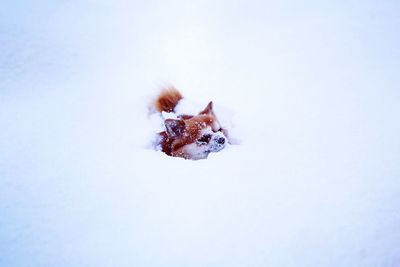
[[174, 128], [208, 110]]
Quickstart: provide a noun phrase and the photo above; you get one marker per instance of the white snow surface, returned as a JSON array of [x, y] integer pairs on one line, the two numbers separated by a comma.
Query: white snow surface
[[311, 89]]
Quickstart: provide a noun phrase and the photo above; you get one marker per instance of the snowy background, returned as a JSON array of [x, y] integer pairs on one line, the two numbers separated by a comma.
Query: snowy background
[[313, 88]]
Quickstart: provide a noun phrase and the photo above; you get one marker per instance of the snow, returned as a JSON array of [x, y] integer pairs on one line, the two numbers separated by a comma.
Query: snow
[[310, 89]]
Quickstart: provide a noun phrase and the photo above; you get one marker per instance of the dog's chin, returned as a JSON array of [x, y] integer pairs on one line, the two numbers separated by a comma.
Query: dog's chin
[[195, 152], [216, 148]]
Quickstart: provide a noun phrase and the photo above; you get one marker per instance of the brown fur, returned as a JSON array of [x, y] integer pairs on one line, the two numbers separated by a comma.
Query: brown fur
[[193, 128], [167, 100]]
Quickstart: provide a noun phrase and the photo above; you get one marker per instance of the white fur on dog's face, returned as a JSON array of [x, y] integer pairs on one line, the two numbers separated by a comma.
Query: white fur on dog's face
[[209, 141]]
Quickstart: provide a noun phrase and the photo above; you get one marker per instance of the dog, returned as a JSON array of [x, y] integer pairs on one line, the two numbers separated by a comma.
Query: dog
[[190, 137]]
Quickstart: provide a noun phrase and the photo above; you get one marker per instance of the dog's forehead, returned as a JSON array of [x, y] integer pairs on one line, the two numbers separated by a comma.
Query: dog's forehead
[[200, 122]]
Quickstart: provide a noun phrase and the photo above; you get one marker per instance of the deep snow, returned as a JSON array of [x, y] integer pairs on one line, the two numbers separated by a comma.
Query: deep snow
[[312, 90]]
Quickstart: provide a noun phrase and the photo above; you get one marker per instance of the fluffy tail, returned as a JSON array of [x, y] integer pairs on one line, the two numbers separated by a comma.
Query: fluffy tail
[[167, 100]]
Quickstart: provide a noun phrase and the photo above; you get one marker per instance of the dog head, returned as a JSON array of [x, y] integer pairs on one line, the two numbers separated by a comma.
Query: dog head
[[193, 137]]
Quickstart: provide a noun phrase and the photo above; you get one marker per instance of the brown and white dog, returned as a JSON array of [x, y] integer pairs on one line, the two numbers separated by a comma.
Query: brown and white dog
[[188, 136]]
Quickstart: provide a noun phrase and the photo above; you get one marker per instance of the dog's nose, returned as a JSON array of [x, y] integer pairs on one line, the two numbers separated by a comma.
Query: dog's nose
[[221, 140]]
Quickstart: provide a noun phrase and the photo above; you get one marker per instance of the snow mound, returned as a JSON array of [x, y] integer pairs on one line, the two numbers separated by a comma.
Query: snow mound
[[312, 92]]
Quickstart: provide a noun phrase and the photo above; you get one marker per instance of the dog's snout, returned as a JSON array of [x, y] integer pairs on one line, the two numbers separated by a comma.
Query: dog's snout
[[221, 140]]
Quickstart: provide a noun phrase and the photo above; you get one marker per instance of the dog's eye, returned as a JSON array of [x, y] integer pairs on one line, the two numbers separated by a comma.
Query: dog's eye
[[205, 139]]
